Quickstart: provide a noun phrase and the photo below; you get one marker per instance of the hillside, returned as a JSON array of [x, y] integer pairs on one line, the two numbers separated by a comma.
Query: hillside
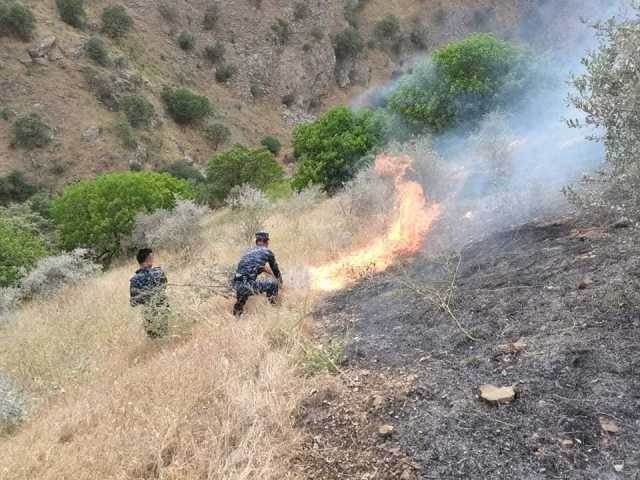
[[64, 85]]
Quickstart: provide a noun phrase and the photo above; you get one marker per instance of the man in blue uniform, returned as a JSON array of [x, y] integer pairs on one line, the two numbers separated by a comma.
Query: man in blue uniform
[[148, 289], [253, 263]]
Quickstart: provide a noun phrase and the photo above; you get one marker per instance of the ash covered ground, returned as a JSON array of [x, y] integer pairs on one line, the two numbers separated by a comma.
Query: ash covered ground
[[567, 289]]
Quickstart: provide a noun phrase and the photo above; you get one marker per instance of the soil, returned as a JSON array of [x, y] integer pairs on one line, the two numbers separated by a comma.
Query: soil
[[567, 290]]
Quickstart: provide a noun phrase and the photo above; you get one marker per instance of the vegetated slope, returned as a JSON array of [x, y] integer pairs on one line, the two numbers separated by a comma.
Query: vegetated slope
[[567, 290], [277, 55]]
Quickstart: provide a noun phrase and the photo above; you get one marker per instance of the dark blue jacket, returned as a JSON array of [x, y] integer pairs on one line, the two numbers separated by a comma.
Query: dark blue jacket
[[147, 284], [253, 262]]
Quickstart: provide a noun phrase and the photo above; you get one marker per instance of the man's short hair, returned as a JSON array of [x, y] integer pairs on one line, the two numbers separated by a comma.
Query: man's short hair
[[262, 236], [143, 255]]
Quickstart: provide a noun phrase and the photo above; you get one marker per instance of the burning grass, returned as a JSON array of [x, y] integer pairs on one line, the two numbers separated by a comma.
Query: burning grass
[[214, 400]]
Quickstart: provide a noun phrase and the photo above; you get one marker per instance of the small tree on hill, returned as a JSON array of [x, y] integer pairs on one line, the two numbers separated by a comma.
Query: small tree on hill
[[463, 81], [72, 12], [16, 19], [139, 111], [116, 21], [99, 213], [20, 249], [272, 144], [348, 44], [237, 166], [186, 107], [330, 150], [30, 131]]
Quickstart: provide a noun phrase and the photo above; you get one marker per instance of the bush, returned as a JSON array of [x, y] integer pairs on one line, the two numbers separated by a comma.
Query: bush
[[99, 213], [184, 106], [16, 19], [125, 132], [187, 41], [272, 144], [217, 134], [419, 35], [348, 44], [251, 208], [174, 229], [211, 14], [116, 22], [607, 94], [139, 111], [238, 166], [387, 29], [280, 31], [96, 50], [215, 53], [55, 272], [168, 10], [20, 248], [225, 72], [13, 406], [464, 81], [352, 9], [14, 188], [330, 149], [183, 170], [301, 10], [72, 12], [30, 131]]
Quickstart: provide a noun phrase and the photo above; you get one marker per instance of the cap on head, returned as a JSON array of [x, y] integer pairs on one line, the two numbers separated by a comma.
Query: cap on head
[[143, 254], [262, 236]]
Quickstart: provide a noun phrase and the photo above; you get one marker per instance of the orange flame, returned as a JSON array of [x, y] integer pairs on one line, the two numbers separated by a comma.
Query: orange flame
[[412, 220]]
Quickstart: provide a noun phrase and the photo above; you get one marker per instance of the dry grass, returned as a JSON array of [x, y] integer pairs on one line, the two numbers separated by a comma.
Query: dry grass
[[216, 400]]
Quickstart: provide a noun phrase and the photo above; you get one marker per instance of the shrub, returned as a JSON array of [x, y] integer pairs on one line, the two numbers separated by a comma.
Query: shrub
[[174, 229], [186, 107], [183, 170], [607, 94], [348, 44], [30, 131], [55, 272], [14, 188], [168, 10], [217, 134], [20, 248], [225, 72], [387, 29], [99, 213], [464, 81], [280, 31], [116, 21], [251, 208], [72, 12], [330, 149], [125, 132], [352, 9], [26, 217], [215, 53], [419, 35], [238, 166], [13, 406], [301, 10], [211, 14], [96, 50], [139, 111], [187, 41], [16, 19], [272, 144]]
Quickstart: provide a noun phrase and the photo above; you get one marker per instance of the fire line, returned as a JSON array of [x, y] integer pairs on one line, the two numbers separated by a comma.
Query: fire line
[[412, 219]]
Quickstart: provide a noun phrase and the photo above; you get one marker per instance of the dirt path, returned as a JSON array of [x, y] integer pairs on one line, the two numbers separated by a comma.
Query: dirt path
[[569, 292]]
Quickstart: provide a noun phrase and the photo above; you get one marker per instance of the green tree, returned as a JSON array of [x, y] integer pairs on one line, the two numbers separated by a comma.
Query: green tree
[[99, 213], [14, 188], [20, 249], [16, 19], [185, 171], [186, 107], [72, 12], [238, 166], [463, 81], [348, 44], [30, 131], [97, 51], [330, 150], [116, 21], [139, 111]]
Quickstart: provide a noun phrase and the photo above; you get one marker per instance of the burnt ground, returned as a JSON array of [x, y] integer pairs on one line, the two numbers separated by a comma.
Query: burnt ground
[[570, 292]]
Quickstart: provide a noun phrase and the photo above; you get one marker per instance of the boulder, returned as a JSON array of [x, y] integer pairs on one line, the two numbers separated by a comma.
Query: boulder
[[497, 395], [41, 48]]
